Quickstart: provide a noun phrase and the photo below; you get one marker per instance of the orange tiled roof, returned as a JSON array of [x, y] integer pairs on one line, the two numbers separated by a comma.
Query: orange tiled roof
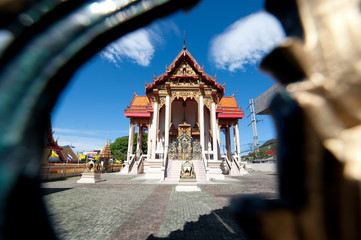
[[228, 102], [140, 107], [140, 101], [228, 108]]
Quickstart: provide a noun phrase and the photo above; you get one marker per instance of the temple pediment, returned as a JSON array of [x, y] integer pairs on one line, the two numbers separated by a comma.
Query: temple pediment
[[184, 66], [184, 69]]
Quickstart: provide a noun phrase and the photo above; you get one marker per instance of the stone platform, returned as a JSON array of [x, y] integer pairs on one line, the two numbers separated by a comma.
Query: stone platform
[[90, 177], [186, 185]]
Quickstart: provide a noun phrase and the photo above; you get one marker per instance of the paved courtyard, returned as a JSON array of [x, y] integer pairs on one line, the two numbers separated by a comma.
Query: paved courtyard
[[131, 207]]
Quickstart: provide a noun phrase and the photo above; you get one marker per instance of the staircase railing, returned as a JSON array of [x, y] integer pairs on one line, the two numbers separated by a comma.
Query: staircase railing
[[204, 160], [236, 163], [165, 168], [140, 162], [131, 162]]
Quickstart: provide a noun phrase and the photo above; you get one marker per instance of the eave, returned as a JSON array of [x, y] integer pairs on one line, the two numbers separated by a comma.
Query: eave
[[137, 115], [230, 116]]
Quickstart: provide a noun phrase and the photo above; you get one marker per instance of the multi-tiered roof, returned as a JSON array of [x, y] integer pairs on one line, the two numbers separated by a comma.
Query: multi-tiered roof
[[184, 67]]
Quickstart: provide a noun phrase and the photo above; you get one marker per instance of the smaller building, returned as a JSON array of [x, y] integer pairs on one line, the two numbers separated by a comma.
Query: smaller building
[[105, 156]]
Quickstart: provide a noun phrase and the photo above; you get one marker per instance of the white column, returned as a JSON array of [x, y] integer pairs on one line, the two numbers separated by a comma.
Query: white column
[[201, 122], [228, 143], [237, 139], [154, 128], [214, 131], [139, 139], [166, 127], [149, 138], [219, 135], [130, 140]]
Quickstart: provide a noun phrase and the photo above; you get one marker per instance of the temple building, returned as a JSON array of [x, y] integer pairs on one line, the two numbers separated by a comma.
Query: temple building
[[184, 112]]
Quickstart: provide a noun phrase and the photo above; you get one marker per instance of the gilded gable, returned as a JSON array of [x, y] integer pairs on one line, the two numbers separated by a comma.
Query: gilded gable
[[184, 69]]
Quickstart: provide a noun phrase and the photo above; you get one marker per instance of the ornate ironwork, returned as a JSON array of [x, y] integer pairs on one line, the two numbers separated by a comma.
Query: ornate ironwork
[[184, 148]]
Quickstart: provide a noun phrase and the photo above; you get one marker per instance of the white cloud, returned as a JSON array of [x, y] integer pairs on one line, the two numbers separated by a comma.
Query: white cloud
[[138, 47], [73, 131], [84, 140], [81, 143], [246, 41]]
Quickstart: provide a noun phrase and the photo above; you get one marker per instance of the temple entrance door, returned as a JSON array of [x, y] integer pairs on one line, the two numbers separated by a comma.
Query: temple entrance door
[[184, 148]]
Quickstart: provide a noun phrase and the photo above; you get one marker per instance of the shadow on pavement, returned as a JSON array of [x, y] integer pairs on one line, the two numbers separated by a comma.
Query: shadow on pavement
[[216, 225], [46, 191]]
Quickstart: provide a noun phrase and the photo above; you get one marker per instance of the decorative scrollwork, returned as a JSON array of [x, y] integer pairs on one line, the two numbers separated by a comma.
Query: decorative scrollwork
[[227, 122], [185, 148], [184, 69], [185, 94], [184, 83], [207, 102], [161, 102]]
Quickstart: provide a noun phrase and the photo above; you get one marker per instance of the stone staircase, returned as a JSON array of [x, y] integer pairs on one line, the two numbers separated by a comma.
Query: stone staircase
[[175, 168], [199, 170]]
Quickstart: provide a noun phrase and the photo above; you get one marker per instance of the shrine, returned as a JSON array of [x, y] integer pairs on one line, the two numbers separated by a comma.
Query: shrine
[[184, 112]]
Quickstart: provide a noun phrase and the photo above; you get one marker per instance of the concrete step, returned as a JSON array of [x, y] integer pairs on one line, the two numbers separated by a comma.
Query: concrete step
[[175, 168], [200, 170], [173, 171]]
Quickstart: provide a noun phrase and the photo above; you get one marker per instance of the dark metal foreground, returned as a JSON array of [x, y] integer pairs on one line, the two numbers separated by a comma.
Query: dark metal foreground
[[317, 115], [49, 40]]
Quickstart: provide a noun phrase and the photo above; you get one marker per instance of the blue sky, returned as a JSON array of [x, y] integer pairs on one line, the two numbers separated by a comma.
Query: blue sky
[[228, 39]]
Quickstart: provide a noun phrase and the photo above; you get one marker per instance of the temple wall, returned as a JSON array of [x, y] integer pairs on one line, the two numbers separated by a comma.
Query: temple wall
[[191, 112], [177, 113]]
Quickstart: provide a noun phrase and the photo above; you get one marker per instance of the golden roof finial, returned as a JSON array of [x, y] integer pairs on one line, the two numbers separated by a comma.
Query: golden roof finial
[[234, 93]]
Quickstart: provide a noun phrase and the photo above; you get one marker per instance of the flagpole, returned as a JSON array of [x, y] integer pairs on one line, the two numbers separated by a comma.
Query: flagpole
[[67, 156]]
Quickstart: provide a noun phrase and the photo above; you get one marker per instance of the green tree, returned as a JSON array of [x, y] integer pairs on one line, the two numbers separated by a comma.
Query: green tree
[[270, 145], [119, 147]]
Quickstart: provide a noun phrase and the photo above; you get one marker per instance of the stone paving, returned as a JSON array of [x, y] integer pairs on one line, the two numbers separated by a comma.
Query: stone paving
[[131, 207]]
